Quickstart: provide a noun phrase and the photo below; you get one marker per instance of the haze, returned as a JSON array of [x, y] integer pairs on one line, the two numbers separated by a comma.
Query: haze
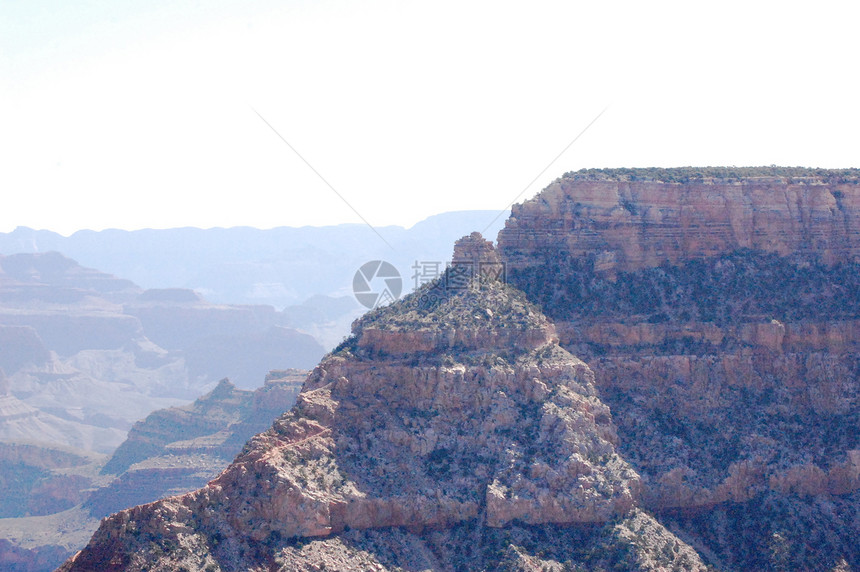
[[138, 115]]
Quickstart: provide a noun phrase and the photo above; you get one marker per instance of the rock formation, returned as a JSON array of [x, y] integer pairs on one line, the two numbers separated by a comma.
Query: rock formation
[[449, 431], [629, 220], [718, 310], [719, 313]]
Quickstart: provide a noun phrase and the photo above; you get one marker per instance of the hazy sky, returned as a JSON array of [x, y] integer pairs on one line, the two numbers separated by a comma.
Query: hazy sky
[[142, 114]]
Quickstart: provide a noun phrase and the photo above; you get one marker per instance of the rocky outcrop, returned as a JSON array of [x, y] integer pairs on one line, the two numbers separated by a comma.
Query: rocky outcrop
[[719, 314], [218, 423], [461, 435], [474, 250], [149, 437]]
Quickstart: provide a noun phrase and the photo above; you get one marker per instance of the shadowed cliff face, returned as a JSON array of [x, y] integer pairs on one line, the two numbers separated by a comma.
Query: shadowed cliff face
[[452, 413], [721, 320]]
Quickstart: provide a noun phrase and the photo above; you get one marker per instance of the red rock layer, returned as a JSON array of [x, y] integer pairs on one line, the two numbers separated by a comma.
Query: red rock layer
[[630, 225]]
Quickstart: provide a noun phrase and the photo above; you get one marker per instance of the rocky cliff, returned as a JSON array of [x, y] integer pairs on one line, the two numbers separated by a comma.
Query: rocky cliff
[[450, 431], [634, 219], [716, 312], [719, 312]]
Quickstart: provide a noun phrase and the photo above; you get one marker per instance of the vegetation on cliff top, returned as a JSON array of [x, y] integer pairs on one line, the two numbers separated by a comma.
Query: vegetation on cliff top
[[478, 303], [688, 174]]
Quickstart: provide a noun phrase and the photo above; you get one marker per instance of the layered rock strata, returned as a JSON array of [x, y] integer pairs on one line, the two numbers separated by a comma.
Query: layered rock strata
[[719, 314], [456, 433], [629, 220]]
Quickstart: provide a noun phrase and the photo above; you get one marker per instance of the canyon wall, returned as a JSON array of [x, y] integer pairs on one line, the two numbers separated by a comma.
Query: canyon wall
[[715, 317], [720, 316], [633, 221]]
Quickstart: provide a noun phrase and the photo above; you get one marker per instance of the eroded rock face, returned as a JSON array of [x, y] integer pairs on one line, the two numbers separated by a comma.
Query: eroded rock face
[[462, 432], [719, 314], [720, 318], [629, 222]]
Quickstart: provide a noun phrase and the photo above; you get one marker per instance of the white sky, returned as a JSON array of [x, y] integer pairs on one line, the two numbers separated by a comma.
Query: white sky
[[141, 114]]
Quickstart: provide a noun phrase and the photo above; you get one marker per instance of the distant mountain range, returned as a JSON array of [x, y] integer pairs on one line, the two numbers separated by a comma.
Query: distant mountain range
[[85, 353], [280, 267]]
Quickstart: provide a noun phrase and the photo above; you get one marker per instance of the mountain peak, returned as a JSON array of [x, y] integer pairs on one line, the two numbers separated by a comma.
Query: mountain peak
[[440, 410], [464, 315], [476, 250]]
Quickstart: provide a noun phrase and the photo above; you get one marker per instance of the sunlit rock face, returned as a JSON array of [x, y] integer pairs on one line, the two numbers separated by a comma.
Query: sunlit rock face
[[629, 220], [450, 409], [719, 312]]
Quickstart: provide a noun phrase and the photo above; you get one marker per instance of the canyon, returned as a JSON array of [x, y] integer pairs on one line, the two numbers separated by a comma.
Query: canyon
[[665, 377], [83, 356], [56, 496]]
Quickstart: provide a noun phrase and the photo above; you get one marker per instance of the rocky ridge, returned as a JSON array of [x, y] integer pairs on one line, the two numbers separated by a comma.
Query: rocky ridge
[[180, 449], [393, 458]]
